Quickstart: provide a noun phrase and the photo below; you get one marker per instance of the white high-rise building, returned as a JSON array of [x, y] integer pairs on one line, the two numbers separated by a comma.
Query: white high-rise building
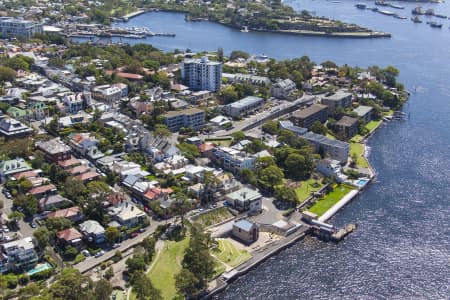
[[10, 27], [202, 74]]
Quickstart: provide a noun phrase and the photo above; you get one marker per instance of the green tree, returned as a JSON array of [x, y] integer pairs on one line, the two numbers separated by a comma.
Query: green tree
[[186, 283], [112, 234], [103, 290], [270, 177], [143, 287], [248, 176], [7, 74], [238, 136], [71, 284], [42, 235], [319, 128], [270, 127], [228, 94]]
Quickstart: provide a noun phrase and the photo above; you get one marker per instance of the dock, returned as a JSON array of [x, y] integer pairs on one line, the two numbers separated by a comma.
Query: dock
[[343, 232]]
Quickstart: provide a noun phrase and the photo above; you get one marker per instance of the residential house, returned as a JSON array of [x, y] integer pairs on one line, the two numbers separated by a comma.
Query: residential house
[[233, 160], [347, 126], [93, 231], [202, 74], [245, 231], [18, 256], [251, 79], [11, 167], [334, 148], [76, 102], [339, 99], [283, 89], [306, 117], [190, 118], [43, 190], [55, 150], [127, 214], [364, 113], [331, 168], [157, 194], [53, 201], [245, 199], [198, 97], [243, 106], [11, 128], [107, 94], [72, 213], [70, 237], [86, 145]]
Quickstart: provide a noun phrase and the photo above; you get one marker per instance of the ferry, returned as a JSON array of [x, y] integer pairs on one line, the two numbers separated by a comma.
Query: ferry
[[361, 6]]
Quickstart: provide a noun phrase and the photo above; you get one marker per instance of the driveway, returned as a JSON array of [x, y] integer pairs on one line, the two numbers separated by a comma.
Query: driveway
[[25, 229]]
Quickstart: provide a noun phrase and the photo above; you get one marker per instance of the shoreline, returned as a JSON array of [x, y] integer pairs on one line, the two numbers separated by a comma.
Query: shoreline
[[351, 34], [234, 274]]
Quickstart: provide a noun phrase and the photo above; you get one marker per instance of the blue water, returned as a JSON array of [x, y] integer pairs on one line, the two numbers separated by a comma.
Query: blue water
[[39, 268], [361, 182], [401, 249]]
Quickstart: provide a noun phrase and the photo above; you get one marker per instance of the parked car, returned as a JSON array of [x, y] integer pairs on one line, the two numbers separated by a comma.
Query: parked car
[[99, 253], [134, 234], [33, 225], [116, 245], [86, 253]]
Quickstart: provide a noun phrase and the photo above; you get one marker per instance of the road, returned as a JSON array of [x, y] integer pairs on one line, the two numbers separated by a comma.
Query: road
[[25, 229], [92, 262]]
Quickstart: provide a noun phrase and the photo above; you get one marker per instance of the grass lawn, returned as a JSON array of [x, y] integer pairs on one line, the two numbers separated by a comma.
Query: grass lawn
[[230, 255], [213, 217], [358, 149], [388, 113], [225, 143], [167, 267], [357, 138], [308, 186], [120, 295], [324, 204], [372, 125]]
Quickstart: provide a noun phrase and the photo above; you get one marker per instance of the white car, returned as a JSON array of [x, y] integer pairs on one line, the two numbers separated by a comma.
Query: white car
[[99, 253]]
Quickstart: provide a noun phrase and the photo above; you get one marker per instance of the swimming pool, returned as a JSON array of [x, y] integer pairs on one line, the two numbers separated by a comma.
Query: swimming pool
[[39, 268], [362, 182]]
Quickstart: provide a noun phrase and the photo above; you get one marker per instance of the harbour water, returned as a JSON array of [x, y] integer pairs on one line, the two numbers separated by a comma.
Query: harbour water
[[401, 249]]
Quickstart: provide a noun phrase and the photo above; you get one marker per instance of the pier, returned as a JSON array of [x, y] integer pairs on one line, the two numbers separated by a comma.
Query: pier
[[109, 32]]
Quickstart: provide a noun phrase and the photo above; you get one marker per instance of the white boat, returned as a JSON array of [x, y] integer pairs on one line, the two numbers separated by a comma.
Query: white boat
[[244, 29]]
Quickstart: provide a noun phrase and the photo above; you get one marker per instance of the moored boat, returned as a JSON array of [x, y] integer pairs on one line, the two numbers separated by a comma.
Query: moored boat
[[418, 11], [435, 25], [416, 19], [361, 6]]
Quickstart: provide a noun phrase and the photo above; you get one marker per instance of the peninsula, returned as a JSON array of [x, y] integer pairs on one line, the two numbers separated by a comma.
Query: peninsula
[[269, 16]]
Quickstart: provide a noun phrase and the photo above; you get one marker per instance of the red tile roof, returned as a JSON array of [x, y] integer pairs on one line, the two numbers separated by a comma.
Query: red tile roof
[[154, 193], [126, 75], [78, 170], [42, 189], [26, 174], [69, 234], [115, 197], [206, 147], [87, 176], [69, 162], [65, 213]]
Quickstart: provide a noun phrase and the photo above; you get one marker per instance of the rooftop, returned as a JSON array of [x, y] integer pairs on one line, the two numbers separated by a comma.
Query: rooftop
[[306, 112], [347, 121], [244, 225], [65, 213], [362, 110], [69, 234], [92, 227], [338, 96], [249, 100], [190, 111], [53, 146], [244, 194]]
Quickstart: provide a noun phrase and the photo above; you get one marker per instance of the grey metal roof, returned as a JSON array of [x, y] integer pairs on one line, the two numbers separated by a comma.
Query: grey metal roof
[[244, 225]]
